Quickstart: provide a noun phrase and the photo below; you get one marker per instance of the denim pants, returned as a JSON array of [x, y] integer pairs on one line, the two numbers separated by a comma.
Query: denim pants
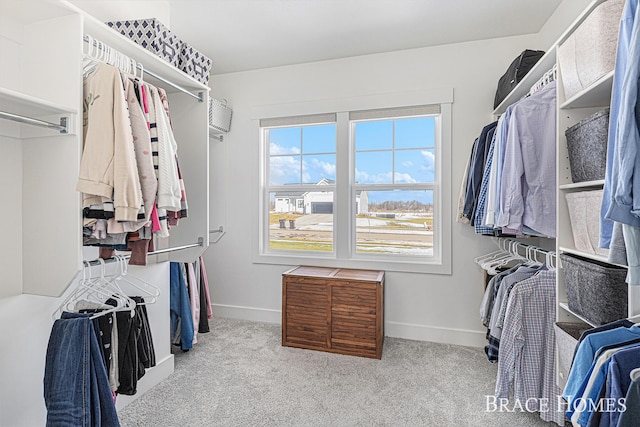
[[76, 386]]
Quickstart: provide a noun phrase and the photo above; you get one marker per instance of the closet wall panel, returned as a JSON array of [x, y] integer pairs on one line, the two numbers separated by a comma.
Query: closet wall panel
[[51, 206], [11, 216]]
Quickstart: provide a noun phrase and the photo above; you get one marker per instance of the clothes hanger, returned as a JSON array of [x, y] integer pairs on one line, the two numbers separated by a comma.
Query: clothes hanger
[[501, 251], [151, 292], [123, 301], [512, 255]]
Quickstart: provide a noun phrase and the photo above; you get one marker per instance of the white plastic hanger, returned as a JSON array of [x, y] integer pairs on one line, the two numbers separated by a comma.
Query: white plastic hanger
[[151, 292]]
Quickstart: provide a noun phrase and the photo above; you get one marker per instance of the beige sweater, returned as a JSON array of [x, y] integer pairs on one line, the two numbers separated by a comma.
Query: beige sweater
[[108, 170]]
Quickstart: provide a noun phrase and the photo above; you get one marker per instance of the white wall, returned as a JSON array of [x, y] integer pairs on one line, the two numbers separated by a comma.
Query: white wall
[[419, 306], [562, 18]]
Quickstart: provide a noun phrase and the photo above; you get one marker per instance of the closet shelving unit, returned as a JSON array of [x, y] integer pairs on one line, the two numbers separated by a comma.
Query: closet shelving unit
[[189, 116], [45, 47], [570, 111]]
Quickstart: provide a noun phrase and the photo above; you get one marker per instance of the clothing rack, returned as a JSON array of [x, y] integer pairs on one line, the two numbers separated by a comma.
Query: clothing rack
[[512, 246], [104, 47], [158, 252], [546, 78], [62, 127]]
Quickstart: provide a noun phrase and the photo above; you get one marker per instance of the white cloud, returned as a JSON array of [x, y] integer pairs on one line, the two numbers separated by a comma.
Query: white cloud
[[429, 156], [404, 177], [407, 164], [328, 169], [275, 149], [383, 178], [284, 169]]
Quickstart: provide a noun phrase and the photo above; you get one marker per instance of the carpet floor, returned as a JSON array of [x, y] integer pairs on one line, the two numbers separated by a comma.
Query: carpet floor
[[239, 375]]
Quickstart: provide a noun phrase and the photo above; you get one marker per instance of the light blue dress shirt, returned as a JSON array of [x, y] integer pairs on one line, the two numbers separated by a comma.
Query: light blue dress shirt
[[585, 356], [625, 171], [624, 37], [528, 181]]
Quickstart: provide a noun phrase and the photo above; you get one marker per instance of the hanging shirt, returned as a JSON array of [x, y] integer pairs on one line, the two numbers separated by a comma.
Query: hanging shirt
[[618, 382], [585, 356], [528, 181], [527, 350], [629, 418], [108, 169], [624, 36], [480, 228], [490, 203], [628, 27]]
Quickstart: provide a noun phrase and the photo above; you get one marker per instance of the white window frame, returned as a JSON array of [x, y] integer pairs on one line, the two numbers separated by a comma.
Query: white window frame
[[428, 186], [343, 254]]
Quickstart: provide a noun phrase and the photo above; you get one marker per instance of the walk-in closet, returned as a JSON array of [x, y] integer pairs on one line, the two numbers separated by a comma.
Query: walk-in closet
[[319, 213]]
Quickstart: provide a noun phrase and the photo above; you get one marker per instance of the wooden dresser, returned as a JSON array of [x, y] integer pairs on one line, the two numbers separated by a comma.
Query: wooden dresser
[[333, 309]]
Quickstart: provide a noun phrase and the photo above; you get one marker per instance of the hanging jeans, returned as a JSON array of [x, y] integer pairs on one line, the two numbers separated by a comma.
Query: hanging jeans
[[76, 386]]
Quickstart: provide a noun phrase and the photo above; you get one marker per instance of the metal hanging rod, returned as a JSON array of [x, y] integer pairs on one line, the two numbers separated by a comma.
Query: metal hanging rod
[[199, 96], [62, 127], [158, 252]]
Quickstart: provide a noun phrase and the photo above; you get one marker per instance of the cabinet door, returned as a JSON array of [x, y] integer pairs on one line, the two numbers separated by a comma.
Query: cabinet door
[[353, 318], [306, 321]]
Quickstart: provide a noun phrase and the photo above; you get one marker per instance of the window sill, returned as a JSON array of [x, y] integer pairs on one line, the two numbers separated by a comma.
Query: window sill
[[424, 267]]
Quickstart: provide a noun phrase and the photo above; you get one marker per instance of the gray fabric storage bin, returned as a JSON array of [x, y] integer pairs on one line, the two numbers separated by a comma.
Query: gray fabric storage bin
[[596, 291], [567, 336], [194, 63], [587, 146], [153, 36], [585, 220], [589, 53]]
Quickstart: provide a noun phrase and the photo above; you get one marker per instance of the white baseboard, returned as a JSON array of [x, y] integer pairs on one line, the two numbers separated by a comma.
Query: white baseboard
[[247, 313], [435, 334], [391, 329], [152, 377]]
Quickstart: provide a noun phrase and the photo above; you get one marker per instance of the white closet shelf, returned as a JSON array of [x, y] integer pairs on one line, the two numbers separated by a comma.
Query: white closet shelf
[[30, 106], [101, 31], [542, 66], [565, 307], [596, 95], [580, 185]]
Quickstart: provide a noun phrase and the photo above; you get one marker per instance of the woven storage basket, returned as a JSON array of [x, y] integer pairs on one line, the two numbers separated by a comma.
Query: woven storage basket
[[596, 291], [219, 115], [567, 336], [590, 51], [587, 145], [194, 63], [584, 214], [153, 36]]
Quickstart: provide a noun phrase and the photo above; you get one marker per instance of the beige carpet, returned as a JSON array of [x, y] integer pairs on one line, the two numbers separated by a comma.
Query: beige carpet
[[240, 375]]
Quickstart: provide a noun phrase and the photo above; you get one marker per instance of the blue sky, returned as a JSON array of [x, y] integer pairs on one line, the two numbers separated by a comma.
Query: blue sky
[[307, 154]]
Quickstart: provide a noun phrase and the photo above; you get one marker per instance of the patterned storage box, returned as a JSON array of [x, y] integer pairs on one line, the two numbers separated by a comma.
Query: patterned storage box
[[595, 290], [590, 52], [584, 214], [153, 36], [219, 115], [194, 63], [587, 146]]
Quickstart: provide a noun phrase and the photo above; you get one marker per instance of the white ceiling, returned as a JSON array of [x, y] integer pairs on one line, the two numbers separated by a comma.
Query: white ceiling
[[241, 35]]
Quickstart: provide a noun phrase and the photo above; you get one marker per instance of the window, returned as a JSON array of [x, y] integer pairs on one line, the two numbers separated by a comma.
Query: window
[[361, 189]]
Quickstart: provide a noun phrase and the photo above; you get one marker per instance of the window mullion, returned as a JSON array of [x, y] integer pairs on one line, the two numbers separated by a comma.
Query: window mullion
[[343, 195]]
